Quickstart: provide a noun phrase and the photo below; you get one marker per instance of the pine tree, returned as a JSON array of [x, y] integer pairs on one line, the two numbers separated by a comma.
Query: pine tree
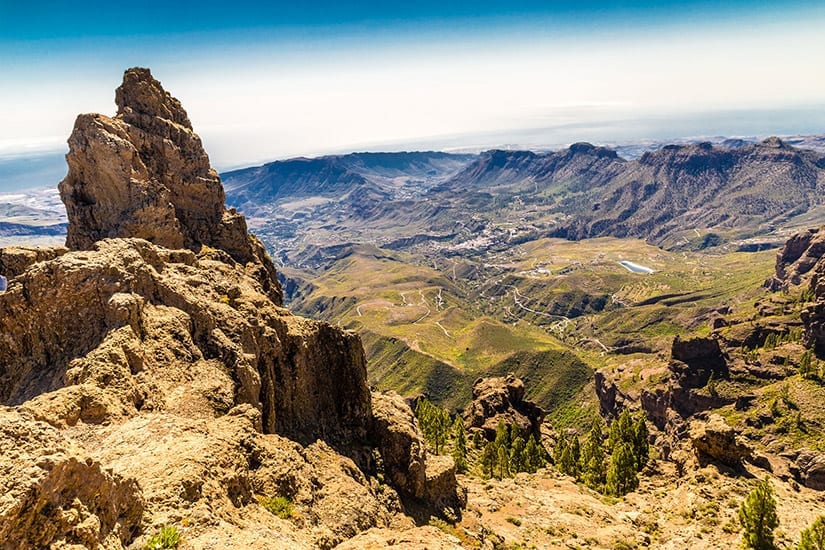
[[488, 459], [440, 429], [813, 538], [503, 461], [533, 455], [591, 461], [641, 446], [478, 439], [434, 422], [570, 456], [621, 430], [558, 449], [621, 475], [758, 517], [806, 367], [460, 446], [502, 434], [517, 458]]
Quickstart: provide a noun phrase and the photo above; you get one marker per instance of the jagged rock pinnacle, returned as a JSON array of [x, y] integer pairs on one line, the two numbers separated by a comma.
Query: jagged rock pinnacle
[[145, 174]]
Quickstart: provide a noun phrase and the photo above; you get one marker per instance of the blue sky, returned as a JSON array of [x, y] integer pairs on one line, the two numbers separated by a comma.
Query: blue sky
[[271, 80]]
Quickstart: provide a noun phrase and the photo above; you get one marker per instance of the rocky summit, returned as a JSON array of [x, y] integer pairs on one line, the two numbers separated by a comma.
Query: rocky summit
[[151, 378], [144, 174]]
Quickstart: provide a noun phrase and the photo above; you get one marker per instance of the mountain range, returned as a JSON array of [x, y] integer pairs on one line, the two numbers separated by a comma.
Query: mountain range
[[689, 196]]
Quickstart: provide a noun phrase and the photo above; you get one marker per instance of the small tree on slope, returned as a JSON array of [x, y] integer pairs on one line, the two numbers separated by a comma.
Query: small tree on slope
[[813, 538], [758, 517]]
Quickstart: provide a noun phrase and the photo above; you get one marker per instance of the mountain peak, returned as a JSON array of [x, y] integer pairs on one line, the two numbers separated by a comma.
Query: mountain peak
[[144, 173], [141, 95]]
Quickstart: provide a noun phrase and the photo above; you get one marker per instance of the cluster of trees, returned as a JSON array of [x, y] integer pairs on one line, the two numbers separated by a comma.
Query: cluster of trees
[[809, 367], [509, 453], [759, 520], [435, 424], [609, 466]]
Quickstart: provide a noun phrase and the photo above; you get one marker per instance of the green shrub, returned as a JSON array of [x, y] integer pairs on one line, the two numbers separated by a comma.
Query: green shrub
[[280, 506], [813, 538], [167, 537]]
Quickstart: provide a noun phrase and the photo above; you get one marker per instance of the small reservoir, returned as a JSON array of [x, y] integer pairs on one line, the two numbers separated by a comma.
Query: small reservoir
[[635, 268]]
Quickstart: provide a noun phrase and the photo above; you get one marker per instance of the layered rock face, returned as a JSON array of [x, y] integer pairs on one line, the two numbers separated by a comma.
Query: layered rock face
[[144, 174], [149, 376], [800, 262]]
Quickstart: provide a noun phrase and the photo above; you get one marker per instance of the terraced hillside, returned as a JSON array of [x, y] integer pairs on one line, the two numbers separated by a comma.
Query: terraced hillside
[[550, 310]]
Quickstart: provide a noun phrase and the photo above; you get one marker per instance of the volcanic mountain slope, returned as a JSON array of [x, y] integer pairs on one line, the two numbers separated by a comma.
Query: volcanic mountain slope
[[150, 377], [382, 176], [680, 196]]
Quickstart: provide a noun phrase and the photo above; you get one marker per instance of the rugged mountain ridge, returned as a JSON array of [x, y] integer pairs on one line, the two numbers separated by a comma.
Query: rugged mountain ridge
[[151, 377], [691, 196]]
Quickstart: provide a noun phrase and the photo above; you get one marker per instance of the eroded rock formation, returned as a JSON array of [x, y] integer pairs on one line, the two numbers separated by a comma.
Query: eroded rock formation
[[497, 399], [411, 470], [149, 375], [145, 174]]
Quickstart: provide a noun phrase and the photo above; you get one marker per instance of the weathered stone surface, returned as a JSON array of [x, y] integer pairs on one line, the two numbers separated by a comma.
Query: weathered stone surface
[[442, 488], [400, 443], [415, 473], [496, 399], [14, 260], [427, 537], [809, 467], [797, 258], [144, 174], [54, 494], [715, 440], [611, 400], [151, 318]]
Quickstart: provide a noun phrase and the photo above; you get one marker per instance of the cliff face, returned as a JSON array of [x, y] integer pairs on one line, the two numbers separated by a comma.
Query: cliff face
[[801, 261], [148, 374]]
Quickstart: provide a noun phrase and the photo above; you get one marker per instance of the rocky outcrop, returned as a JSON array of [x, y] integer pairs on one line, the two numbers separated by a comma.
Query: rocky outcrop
[[809, 468], [813, 317], [144, 174], [713, 439], [400, 443], [153, 319], [149, 375], [14, 260], [416, 474], [797, 258], [502, 399], [54, 494], [611, 400], [694, 360]]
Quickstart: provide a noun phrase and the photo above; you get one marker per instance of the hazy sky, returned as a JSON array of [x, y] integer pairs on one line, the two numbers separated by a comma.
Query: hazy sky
[[272, 80]]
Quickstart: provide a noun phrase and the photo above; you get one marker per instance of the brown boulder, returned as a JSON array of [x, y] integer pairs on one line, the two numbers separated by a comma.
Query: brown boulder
[[809, 468], [400, 442], [502, 399], [715, 440], [410, 469]]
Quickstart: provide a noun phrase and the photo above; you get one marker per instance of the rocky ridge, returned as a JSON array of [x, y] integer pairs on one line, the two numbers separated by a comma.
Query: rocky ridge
[[151, 377]]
